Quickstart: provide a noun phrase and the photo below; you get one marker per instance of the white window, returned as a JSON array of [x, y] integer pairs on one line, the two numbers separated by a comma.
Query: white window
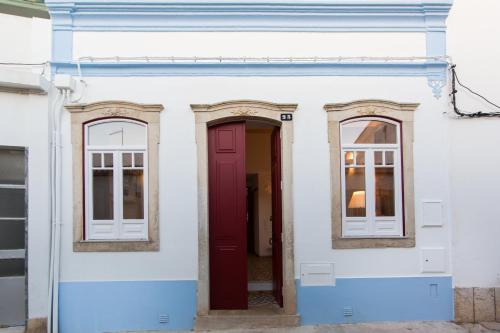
[[116, 193], [371, 178]]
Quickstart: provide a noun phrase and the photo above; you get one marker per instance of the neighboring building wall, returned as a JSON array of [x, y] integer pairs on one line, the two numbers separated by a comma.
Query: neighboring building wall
[[25, 122], [474, 159]]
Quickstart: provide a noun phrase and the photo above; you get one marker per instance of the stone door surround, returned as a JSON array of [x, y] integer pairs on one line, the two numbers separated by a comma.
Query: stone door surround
[[211, 114]]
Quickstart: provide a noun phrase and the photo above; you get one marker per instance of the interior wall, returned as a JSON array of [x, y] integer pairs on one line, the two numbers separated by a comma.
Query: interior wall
[[258, 161]]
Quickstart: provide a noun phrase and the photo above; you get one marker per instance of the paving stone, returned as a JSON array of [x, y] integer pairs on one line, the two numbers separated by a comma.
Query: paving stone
[[497, 304], [484, 304], [464, 305], [493, 326]]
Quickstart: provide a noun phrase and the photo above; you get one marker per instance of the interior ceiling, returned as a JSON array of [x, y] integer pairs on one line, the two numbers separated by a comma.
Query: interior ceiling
[[258, 124]]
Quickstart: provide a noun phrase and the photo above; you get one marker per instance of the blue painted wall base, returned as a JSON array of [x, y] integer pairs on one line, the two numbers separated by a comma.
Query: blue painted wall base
[[377, 299], [111, 306]]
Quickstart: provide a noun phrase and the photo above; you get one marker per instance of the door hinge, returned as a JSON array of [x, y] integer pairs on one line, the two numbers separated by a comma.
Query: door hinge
[[281, 184]]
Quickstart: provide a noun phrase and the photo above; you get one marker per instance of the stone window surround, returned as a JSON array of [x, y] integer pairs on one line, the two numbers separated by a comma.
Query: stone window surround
[[211, 114], [401, 112], [82, 114]]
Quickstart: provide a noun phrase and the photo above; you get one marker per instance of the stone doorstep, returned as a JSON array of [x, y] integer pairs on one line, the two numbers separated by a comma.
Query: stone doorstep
[[223, 320]]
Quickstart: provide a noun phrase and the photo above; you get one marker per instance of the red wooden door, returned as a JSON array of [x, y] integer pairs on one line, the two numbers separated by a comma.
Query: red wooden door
[[277, 216], [227, 216]]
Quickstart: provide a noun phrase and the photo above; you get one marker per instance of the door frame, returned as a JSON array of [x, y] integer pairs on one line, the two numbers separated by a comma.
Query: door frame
[[210, 114]]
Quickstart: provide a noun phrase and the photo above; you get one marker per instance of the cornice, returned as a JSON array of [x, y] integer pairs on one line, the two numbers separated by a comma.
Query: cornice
[[269, 15]]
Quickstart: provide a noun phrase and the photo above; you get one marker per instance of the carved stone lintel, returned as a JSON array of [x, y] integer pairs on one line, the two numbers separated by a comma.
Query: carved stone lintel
[[370, 111], [115, 112], [243, 111]]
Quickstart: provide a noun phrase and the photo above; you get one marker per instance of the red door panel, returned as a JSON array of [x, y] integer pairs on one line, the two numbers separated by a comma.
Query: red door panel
[[277, 216], [227, 216]]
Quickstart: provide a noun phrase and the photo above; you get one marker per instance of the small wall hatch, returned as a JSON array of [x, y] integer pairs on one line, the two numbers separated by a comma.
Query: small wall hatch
[[317, 274], [433, 260], [432, 213]]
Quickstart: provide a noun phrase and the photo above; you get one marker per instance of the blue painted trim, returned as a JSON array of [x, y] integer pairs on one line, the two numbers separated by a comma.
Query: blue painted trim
[[268, 15], [435, 69], [112, 306], [377, 299]]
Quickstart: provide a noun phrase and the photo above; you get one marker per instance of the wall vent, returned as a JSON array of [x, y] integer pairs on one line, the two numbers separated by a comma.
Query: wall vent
[[163, 319], [347, 311]]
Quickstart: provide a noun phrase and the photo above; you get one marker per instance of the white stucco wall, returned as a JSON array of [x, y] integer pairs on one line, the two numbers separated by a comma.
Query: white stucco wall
[[473, 32], [24, 122], [177, 258]]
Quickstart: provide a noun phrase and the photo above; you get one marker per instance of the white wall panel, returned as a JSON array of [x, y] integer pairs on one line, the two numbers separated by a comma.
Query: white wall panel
[[249, 44]]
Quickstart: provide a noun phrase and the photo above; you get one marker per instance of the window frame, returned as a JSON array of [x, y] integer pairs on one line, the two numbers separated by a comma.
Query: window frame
[[117, 151], [82, 114], [403, 113], [370, 166]]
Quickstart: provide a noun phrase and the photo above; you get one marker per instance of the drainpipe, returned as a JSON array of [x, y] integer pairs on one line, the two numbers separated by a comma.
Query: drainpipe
[[56, 188]]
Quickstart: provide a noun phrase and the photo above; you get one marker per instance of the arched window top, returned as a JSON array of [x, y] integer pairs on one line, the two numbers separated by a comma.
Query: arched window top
[[117, 132], [369, 131]]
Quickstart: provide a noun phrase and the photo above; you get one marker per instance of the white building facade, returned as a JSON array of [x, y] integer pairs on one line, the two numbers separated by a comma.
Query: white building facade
[[132, 177]]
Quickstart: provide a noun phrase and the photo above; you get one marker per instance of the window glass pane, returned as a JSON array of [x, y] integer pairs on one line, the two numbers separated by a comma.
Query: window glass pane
[[117, 133], [355, 192], [11, 235], [379, 158], [108, 160], [369, 132], [12, 166], [133, 194], [360, 158], [11, 267], [127, 160], [349, 158], [384, 192], [103, 194], [11, 202], [389, 158], [96, 160], [139, 160]]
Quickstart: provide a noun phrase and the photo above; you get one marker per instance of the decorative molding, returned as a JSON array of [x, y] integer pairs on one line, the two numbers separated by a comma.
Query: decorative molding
[[434, 69], [436, 85], [114, 108], [245, 15], [371, 107], [84, 113], [402, 112]]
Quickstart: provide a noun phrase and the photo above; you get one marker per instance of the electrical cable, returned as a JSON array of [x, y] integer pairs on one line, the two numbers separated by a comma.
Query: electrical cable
[[23, 64], [454, 91]]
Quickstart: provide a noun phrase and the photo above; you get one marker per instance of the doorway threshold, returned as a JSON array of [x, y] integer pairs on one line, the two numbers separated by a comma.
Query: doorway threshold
[[254, 317]]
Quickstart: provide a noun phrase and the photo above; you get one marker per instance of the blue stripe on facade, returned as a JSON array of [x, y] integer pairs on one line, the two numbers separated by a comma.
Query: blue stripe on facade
[[96, 307], [110, 306], [377, 299], [434, 69]]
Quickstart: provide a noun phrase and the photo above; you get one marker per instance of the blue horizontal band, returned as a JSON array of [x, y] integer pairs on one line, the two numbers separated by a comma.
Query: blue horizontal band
[[435, 69]]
